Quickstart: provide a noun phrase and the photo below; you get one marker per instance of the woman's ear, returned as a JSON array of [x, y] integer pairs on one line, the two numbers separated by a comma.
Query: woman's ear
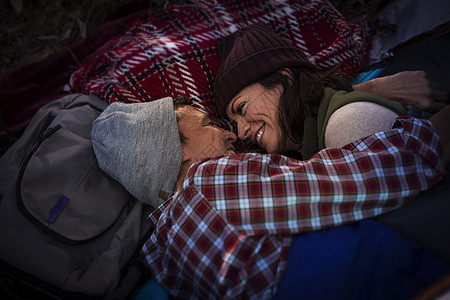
[[287, 72]]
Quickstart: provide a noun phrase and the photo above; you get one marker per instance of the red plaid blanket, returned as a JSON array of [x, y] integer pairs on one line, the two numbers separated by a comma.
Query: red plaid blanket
[[174, 51]]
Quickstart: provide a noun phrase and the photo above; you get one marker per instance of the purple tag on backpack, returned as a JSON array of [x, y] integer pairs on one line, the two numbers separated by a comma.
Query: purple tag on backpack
[[57, 208]]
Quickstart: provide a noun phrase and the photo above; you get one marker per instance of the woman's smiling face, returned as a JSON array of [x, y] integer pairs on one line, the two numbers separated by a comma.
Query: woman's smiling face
[[255, 111]]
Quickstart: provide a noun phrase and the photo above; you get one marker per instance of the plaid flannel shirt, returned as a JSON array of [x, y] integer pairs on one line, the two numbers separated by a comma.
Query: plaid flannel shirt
[[228, 230]]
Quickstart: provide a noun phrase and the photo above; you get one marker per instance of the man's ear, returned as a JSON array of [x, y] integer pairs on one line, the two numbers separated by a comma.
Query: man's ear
[[185, 164], [186, 158], [186, 153]]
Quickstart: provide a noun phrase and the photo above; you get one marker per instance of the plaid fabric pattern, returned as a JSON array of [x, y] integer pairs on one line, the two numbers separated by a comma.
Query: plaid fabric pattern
[[174, 51], [226, 234]]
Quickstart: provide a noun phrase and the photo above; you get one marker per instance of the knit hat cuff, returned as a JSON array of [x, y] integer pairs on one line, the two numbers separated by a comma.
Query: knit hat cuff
[[139, 146], [252, 68], [250, 54]]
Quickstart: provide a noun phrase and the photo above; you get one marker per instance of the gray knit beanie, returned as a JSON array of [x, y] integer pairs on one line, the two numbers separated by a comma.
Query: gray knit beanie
[[250, 54], [139, 146]]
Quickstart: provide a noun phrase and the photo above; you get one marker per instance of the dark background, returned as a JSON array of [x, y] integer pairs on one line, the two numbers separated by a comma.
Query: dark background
[[31, 30]]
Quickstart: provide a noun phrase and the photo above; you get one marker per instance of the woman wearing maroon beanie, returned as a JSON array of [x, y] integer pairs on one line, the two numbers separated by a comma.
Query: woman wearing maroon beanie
[[280, 101]]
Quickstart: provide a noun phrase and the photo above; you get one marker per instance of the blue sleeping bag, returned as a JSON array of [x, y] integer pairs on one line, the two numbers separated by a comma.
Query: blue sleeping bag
[[363, 260]]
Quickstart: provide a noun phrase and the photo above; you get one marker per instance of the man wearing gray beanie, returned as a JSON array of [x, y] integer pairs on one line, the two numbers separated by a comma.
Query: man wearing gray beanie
[[139, 145], [227, 229]]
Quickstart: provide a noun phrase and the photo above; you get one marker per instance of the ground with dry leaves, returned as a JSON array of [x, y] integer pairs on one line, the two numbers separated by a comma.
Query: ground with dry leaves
[[31, 30]]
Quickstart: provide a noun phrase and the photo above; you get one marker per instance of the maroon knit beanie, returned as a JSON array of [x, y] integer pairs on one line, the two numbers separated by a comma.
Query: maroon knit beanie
[[250, 54]]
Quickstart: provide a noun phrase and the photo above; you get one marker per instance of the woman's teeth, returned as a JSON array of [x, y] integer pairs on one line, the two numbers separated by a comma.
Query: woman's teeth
[[260, 133]]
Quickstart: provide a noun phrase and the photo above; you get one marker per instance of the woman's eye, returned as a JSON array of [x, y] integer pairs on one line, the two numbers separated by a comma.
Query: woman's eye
[[240, 108]]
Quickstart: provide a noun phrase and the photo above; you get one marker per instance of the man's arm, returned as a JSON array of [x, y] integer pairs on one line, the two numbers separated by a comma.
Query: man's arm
[[230, 225], [270, 194], [409, 88], [440, 121]]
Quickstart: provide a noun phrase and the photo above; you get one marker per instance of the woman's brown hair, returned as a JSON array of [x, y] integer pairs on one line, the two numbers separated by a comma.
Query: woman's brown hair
[[301, 95]]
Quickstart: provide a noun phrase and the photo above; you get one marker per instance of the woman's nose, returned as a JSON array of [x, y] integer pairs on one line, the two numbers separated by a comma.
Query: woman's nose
[[243, 130]]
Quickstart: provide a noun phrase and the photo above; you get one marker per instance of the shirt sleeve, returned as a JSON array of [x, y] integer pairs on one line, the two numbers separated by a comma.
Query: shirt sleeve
[[355, 121], [272, 194], [228, 230]]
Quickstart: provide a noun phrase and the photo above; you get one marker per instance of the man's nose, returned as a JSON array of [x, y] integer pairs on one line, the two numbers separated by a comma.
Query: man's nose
[[229, 136]]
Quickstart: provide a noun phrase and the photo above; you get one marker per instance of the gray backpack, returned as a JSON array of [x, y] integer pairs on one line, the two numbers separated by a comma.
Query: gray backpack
[[63, 221]]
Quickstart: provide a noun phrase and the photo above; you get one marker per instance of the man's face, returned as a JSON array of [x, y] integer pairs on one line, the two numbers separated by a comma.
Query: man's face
[[203, 138]]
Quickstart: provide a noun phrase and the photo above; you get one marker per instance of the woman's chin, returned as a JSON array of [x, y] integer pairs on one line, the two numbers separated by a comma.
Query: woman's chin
[[271, 150]]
